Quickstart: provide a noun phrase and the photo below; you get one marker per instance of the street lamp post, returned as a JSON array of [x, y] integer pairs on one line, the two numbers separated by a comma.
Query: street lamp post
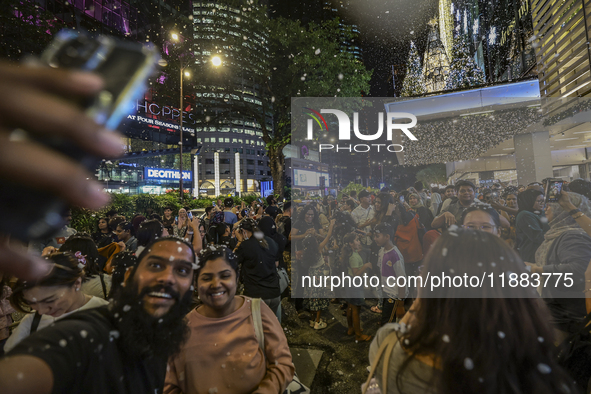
[[181, 136], [176, 37]]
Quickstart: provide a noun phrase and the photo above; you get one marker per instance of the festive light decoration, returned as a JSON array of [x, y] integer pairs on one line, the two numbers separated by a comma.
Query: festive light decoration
[[463, 71], [467, 137], [446, 25], [414, 82], [435, 63], [492, 36], [475, 26], [465, 22]]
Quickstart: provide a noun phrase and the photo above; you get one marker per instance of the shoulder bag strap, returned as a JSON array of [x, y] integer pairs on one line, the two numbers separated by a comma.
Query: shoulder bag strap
[[103, 284], [388, 343], [35, 323], [255, 307]]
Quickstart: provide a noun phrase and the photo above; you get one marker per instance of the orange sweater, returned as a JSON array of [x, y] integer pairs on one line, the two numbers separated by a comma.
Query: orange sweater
[[224, 354]]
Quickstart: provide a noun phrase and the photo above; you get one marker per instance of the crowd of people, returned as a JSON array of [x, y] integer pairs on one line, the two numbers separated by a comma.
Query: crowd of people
[[174, 303], [236, 252]]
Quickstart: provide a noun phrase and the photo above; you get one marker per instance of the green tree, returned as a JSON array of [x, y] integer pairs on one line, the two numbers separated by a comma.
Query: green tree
[[435, 173], [414, 81], [463, 71]]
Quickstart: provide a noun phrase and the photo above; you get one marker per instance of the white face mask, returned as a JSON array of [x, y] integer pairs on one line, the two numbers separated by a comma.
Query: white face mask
[[259, 235]]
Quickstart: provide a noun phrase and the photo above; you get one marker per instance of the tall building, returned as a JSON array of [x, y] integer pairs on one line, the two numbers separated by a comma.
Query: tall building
[[151, 131], [561, 41], [231, 51]]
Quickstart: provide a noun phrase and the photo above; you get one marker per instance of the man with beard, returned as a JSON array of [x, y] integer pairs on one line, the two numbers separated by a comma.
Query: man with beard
[[121, 348]]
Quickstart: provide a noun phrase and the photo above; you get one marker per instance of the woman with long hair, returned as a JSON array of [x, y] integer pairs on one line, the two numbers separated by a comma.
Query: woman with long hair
[[306, 223], [317, 297], [183, 224], [530, 224], [351, 259], [223, 349], [482, 339], [103, 234], [96, 283], [54, 296]]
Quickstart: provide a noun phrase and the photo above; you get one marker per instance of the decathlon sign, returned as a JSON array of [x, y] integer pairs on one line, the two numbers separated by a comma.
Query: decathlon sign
[[166, 174]]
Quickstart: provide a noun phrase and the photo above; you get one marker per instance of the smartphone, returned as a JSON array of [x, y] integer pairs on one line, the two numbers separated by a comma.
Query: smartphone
[[553, 190], [401, 199], [176, 219], [190, 215], [125, 67], [213, 203]]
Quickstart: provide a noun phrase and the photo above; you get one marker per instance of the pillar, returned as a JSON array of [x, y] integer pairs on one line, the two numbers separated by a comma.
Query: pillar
[[196, 176], [533, 158], [238, 182], [216, 168]]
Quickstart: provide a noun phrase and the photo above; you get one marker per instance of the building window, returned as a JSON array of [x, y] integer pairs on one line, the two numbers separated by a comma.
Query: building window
[[225, 161], [206, 140], [261, 172], [250, 172], [268, 172], [208, 161], [250, 161]]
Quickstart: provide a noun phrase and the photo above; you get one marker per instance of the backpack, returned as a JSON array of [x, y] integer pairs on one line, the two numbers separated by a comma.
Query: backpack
[[217, 217]]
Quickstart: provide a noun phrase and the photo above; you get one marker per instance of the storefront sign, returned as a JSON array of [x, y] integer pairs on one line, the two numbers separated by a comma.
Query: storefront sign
[[166, 174]]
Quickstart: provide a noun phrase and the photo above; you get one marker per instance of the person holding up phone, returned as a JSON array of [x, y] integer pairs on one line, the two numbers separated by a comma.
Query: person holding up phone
[[39, 104], [529, 226]]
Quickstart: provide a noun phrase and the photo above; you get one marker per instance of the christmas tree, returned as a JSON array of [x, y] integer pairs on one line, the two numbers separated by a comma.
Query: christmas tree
[[414, 82], [463, 71]]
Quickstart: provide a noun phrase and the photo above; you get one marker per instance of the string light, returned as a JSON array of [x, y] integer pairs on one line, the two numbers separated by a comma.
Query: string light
[[492, 36], [446, 25]]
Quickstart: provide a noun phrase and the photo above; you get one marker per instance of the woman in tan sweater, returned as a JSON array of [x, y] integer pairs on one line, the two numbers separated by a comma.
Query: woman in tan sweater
[[222, 353]]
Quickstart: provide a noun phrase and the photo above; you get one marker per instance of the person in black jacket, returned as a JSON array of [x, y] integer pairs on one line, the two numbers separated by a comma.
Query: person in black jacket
[[258, 269], [267, 226]]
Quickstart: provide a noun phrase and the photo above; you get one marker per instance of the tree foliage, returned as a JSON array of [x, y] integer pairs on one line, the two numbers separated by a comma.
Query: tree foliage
[[414, 81], [435, 173], [463, 71]]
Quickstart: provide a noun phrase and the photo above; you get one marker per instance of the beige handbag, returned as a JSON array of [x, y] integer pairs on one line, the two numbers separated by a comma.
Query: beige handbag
[[385, 349]]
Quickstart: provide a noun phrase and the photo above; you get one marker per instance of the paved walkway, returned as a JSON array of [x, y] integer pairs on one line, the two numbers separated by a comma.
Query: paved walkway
[[329, 361]]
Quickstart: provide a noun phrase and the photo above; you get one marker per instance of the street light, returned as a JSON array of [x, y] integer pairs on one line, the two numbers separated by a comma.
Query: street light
[[175, 37], [216, 61]]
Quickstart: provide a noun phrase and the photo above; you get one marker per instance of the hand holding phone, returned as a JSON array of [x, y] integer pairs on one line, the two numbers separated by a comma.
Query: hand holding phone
[[66, 130], [553, 190]]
